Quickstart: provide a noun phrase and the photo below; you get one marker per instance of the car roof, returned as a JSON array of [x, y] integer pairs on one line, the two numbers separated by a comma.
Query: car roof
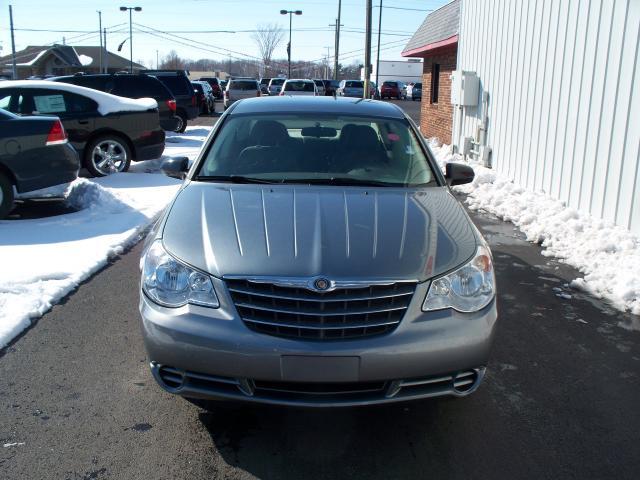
[[330, 105]]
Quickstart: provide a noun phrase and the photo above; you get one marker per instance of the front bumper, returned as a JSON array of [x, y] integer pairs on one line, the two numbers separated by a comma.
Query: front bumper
[[209, 353]]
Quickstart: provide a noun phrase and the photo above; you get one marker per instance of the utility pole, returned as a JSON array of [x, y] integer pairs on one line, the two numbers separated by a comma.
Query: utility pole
[[335, 62], [378, 52], [157, 62], [13, 47], [367, 50], [335, 46], [100, 35], [106, 60], [326, 64]]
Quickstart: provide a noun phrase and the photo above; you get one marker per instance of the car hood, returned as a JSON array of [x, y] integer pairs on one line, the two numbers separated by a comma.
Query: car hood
[[306, 231]]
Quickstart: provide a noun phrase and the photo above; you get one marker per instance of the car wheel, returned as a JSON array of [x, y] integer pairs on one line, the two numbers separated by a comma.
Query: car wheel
[[6, 196], [107, 154], [182, 122]]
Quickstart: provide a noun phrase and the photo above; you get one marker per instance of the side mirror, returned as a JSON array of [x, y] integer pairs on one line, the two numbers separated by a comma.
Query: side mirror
[[458, 174], [175, 167]]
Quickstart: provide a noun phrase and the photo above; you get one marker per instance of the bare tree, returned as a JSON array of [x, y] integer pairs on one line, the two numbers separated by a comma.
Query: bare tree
[[172, 61], [267, 37]]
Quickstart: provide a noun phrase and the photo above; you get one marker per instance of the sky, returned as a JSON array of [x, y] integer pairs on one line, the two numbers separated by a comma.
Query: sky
[[186, 26]]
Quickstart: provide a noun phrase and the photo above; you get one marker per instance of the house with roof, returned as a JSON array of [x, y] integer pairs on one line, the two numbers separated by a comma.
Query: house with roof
[[436, 42], [56, 60]]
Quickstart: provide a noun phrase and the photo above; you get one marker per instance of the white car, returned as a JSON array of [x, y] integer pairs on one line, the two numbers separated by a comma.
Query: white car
[[296, 87], [239, 88]]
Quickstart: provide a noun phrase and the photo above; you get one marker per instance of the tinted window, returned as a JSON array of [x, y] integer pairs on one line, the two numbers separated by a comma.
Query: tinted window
[[265, 81], [138, 87], [277, 81], [243, 85], [319, 83], [291, 148], [56, 102], [299, 87], [353, 84], [97, 83], [177, 85], [417, 85], [390, 84]]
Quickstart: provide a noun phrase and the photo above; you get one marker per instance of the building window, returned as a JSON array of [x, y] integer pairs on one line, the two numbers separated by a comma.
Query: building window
[[435, 82]]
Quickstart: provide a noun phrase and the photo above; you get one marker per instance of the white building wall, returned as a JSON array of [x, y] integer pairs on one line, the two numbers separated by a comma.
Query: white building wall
[[401, 70], [564, 97]]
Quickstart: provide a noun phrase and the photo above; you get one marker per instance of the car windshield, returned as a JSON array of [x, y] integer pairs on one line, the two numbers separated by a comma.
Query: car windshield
[[318, 149], [299, 87], [243, 85], [277, 81]]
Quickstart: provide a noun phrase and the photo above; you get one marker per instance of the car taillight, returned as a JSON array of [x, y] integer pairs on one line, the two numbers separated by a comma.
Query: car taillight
[[171, 104], [226, 93], [258, 93], [193, 101], [57, 135], [281, 93]]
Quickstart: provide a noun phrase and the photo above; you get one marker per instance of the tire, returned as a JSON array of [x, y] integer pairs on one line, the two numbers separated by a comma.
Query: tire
[[107, 154], [182, 125], [6, 196]]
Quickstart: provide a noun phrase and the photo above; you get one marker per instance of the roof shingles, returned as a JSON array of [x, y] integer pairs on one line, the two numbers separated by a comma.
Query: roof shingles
[[439, 25]]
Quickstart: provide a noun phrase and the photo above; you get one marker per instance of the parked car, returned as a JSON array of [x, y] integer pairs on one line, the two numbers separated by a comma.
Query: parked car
[[315, 256], [275, 85], [132, 86], [319, 87], [351, 88], [178, 83], [415, 92], [264, 85], [34, 154], [215, 84], [373, 90], [223, 85], [239, 88], [393, 89], [297, 86], [205, 97], [107, 131], [330, 87]]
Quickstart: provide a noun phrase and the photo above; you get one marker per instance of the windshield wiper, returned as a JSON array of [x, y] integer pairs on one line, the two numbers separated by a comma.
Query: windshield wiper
[[232, 179], [346, 181]]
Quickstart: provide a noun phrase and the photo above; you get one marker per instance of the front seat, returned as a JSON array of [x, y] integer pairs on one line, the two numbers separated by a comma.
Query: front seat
[[361, 148]]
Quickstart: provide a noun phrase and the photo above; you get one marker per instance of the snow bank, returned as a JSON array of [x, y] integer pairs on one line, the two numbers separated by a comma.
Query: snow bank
[[44, 259], [107, 103], [607, 255]]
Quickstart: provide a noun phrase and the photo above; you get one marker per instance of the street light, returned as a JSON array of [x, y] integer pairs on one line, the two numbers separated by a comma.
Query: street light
[[131, 9], [290, 12]]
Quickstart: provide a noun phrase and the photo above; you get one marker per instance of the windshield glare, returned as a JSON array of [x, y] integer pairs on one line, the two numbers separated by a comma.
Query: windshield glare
[[294, 148]]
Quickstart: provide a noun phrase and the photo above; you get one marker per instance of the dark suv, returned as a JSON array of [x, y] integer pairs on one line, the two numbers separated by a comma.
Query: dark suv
[[215, 86], [178, 83], [132, 86]]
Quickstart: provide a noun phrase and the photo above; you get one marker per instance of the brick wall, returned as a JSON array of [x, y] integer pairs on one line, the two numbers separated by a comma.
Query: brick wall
[[436, 119]]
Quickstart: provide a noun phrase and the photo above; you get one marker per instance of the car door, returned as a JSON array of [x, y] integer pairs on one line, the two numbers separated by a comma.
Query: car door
[[77, 112]]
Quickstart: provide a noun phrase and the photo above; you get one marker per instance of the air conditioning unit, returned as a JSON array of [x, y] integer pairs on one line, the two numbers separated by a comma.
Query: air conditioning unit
[[464, 88]]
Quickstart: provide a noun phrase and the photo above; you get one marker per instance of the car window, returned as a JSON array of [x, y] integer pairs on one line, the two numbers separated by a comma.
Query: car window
[[277, 81], [139, 87], [243, 85], [178, 85], [390, 84], [55, 102], [97, 83], [354, 84], [299, 87], [50, 103], [291, 148], [5, 100], [417, 85]]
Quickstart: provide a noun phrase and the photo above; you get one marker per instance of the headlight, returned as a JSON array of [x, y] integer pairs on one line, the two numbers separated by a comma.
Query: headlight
[[172, 284], [468, 289]]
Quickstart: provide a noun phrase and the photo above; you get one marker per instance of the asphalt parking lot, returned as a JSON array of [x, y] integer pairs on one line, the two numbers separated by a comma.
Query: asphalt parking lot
[[560, 399]]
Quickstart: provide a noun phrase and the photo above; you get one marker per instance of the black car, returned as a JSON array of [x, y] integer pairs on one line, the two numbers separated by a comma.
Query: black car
[[107, 131], [204, 96], [216, 86], [178, 83], [132, 86], [264, 85], [330, 87], [34, 154], [416, 91]]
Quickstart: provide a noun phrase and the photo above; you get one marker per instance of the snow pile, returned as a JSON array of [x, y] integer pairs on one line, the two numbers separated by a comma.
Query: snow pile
[[85, 60], [608, 255], [42, 260], [107, 103]]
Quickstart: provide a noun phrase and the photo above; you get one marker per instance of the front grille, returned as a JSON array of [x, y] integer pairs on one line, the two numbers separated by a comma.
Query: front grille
[[343, 313]]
